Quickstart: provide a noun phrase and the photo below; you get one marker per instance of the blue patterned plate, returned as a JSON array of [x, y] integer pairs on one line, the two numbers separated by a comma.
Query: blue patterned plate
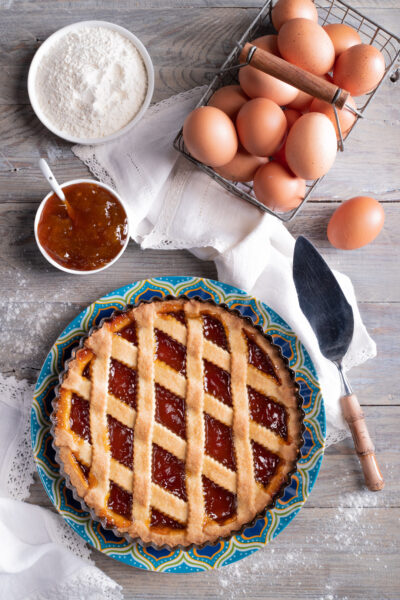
[[238, 546]]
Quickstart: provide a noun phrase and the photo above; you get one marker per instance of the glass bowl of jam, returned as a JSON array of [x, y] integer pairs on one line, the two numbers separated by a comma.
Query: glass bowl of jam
[[86, 235]]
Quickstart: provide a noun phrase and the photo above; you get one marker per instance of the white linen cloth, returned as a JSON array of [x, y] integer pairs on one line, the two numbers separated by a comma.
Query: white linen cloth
[[41, 557], [173, 204]]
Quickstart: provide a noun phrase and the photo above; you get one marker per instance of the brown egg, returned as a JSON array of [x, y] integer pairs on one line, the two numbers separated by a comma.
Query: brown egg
[[210, 136], [355, 223], [305, 44], [257, 84], [291, 116], [242, 167], [285, 10], [303, 100], [359, 69], [343, 36], [346, 117], [311, 146], [261, 126], [277, 188], [229, 99], [269, 43]]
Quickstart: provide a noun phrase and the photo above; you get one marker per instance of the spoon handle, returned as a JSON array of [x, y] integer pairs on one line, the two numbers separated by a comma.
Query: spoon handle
[[44, 167], [354, 416]]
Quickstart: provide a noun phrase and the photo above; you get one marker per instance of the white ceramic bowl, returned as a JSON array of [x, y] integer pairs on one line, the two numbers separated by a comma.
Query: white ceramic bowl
[[49, 258], [40, 53]]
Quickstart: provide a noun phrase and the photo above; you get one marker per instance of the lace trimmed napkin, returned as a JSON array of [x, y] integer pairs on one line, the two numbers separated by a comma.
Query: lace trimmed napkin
[[173, 204], [41, 557]]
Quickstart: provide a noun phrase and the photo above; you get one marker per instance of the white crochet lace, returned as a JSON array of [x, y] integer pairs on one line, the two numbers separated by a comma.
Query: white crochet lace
[[64, 535], [21, 464], [89, 583]]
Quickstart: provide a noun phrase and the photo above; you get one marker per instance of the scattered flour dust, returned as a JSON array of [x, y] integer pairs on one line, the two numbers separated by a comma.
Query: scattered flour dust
[[347, 529], [91, 82]]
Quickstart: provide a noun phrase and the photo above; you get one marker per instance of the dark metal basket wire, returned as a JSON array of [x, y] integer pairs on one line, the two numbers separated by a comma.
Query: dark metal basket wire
[[331, 11]]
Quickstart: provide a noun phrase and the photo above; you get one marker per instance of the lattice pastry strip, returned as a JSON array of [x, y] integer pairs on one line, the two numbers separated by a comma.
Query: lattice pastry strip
[[204, 341]]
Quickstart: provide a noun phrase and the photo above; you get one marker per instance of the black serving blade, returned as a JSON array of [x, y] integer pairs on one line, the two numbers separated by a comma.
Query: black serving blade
[[322, 301]]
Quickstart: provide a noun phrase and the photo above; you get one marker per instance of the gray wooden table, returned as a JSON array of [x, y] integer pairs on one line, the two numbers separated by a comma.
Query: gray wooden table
[[345, 542]]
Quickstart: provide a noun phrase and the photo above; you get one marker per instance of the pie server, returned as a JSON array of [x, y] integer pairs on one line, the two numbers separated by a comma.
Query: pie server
[[330, 315]]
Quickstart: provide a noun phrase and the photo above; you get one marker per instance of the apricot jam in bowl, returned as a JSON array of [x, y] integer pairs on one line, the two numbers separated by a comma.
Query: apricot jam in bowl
[[87, 236]]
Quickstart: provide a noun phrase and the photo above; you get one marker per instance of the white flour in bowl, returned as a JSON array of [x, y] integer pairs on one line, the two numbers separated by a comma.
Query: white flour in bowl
[[91, 83]]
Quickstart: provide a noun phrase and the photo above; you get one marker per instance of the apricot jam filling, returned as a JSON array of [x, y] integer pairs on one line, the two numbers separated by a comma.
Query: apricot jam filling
[[268, 413], [129, 333], [259, 359], [79, 417], [220, 504], [121, 442], [85, 470], [86, 371], [214, 331], [217, 382], [170, 352], [120, 501], [179, 315], [167, 470], [170, 411], [219, 442], [122, 382], [162, 521], [265, 463], [91, 236]]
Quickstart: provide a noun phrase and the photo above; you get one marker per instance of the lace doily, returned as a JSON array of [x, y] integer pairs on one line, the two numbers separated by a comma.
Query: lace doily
[[19, 462], [17, 467], [89, 583]]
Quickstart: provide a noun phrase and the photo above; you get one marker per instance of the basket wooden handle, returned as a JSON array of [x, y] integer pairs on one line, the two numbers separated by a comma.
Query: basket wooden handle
[[362, 441], [302, 80]]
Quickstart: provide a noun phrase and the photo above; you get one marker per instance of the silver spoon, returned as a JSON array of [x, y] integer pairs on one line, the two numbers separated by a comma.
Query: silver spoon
[[55, 186]]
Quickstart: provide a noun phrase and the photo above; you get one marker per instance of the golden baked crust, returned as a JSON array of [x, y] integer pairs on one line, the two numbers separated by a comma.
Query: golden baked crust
[[86, 455]]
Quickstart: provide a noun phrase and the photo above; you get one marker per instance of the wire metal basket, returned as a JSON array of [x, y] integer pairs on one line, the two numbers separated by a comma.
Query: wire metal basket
[[332, 11]]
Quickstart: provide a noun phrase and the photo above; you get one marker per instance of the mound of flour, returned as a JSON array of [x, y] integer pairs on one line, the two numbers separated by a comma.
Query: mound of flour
[[91, 82]]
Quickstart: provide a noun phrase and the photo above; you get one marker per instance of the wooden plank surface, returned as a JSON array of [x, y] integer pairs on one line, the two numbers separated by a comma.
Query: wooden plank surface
[[345, 542]]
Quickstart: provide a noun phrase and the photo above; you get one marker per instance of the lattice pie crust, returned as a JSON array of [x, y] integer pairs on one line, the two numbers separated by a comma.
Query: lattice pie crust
[[177, 422]]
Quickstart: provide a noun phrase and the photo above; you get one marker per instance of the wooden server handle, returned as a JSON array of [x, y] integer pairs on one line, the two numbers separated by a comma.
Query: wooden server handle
[[302, 80], [362, 441]]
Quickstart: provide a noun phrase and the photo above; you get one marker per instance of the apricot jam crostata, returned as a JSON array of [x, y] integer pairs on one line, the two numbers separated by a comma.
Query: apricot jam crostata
[[177, 422]]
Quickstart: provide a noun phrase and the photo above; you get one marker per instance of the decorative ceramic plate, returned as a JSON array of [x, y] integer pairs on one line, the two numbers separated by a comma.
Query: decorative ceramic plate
[[238, 546]]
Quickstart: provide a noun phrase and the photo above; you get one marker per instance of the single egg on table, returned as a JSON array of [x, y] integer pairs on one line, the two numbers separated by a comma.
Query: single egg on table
[[311, 146], [343, 36], [305, 44], [210, 136], [277, 188], [356, 223], [242, 167], [261, 126], [286, 10], [359, 69], [229, 99], [257, 84]]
